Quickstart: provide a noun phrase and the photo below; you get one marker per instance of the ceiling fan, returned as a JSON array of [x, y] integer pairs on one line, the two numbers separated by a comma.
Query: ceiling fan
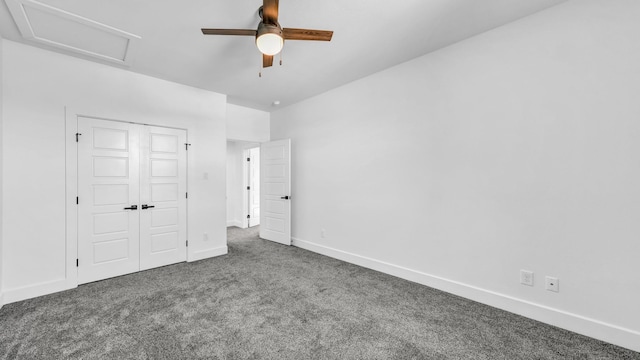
[[270, 36]]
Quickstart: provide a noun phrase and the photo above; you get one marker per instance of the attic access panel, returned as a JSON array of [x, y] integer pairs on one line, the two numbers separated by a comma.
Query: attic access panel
[[48, 25]]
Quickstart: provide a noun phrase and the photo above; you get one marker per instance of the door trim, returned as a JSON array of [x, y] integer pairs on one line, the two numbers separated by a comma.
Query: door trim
[[246, 177], [71, 189]]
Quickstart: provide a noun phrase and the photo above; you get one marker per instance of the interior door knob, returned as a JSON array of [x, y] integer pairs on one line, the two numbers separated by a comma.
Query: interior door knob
[[132, 207], [145, 206], [284, 197]]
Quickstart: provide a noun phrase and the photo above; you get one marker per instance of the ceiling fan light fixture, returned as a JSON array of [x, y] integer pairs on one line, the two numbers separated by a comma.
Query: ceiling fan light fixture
[[269, 39]]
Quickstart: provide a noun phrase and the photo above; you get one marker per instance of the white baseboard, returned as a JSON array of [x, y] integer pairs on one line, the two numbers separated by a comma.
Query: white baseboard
[[597, 329], [235, 223], [45, 288], [209, 253], [50, 287], [31, 291]]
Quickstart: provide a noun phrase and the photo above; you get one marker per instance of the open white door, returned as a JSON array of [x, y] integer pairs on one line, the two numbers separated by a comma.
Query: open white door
[[275, 188]]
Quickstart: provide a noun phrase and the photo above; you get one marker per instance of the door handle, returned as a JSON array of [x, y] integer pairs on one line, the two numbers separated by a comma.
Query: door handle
[[132, 207], [145, 206], [284, 197]]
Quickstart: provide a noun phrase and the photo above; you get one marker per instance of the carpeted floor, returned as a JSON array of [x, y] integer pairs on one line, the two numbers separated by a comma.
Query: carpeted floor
[[269, 301]]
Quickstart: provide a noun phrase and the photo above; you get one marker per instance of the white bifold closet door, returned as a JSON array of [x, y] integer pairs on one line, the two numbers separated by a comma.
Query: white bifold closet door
[[132, 198], [163, 189]]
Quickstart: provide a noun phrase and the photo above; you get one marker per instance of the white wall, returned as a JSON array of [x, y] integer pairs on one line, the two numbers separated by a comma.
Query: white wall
[[247, 124], [37, 86], [234, 184], [515, 149], [1, 176]]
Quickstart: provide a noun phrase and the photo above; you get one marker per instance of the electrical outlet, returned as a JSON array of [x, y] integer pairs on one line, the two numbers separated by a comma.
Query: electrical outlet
[[552, 284], [323, 233], [526, 277]]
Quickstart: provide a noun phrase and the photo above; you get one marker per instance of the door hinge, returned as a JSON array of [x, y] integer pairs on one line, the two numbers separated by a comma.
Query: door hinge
[[77, 136], [248, 159], [186, 195], [77, 200], [187, 243], [248, 216], [248, 187], [186, 146], [77, 263]]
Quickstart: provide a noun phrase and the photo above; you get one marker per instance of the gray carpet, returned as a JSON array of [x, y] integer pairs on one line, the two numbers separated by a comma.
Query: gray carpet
[[269, 301]]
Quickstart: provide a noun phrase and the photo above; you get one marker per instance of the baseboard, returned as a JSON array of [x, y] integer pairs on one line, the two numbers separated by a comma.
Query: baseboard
[[209, 253], [32, 291], [600, 330], [50, 287], [235, 223]]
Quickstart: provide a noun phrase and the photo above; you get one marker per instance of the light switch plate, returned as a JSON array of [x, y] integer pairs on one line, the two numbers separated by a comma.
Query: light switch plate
[[526, 277]]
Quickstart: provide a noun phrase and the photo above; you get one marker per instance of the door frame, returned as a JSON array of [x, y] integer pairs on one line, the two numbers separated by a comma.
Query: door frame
[[71, 188], [243, 146], [246, 172]]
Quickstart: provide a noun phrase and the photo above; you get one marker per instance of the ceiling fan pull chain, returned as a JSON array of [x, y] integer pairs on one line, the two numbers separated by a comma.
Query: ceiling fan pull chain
[[281, 56]]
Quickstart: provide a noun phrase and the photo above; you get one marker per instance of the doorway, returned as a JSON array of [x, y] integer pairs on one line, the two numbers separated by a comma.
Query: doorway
[[243, 184], [259, 188]]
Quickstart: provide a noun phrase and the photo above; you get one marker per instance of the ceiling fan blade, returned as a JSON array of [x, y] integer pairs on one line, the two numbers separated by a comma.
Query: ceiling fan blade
[[270, 11], [241, 32], [306, 34], [267, 60]]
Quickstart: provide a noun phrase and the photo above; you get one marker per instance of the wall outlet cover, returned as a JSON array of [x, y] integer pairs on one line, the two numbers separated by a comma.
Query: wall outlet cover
[[552, 284]]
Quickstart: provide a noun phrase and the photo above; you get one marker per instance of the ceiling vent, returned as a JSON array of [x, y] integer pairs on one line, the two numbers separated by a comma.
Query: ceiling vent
[[61, 29]]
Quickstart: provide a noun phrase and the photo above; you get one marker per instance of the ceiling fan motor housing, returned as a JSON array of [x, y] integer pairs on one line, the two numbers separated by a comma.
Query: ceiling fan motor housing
[[269, 29], [269, 38]]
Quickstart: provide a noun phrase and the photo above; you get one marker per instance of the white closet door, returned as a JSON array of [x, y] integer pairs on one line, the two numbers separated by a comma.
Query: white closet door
[[163, 203], [108, 184]]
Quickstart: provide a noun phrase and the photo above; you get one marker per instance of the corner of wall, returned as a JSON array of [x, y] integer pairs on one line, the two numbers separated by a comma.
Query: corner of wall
[[246, 124], [208, 253]]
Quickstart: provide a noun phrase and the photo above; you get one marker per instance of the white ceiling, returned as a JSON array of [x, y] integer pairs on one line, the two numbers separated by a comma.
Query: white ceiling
[[369, 36]]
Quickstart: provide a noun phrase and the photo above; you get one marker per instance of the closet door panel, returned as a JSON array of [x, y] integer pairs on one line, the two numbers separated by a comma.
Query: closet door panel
[[163, 184], [108, 196]]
